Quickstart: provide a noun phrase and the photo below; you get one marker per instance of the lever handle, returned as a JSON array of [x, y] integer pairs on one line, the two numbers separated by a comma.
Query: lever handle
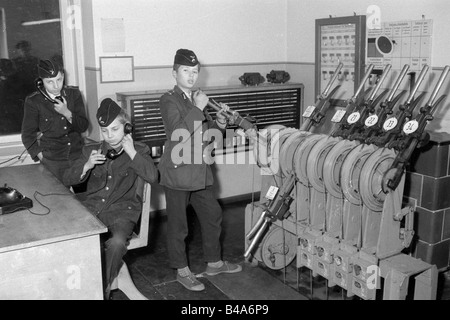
[[422, 74], [397, 83], [257, 225], [258, 237]]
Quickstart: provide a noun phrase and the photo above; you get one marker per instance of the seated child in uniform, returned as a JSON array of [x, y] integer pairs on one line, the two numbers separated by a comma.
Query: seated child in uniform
[[112, 168]]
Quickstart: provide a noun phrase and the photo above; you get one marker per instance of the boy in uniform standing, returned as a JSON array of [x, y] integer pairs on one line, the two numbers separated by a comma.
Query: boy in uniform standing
[[191, 181]]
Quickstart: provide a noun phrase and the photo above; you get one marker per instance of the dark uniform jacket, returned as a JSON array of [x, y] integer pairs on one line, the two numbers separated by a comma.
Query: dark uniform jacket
[[192, 173], [60, 140], [112, 188]]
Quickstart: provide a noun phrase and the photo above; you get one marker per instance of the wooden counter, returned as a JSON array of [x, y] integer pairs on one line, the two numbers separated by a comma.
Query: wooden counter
[[53, 256]]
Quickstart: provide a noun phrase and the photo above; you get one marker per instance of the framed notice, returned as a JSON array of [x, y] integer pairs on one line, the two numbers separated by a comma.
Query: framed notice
[[116, 69]]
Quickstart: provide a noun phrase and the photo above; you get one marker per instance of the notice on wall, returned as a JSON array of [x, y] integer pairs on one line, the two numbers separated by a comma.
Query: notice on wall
[[113, 35], [399, 43]]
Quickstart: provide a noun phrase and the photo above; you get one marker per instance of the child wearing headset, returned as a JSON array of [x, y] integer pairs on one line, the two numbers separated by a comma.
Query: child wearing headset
[[54, 120], [111, 169]]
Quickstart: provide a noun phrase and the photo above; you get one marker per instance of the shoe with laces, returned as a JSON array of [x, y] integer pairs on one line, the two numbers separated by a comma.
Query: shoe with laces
[[190, 282], [227, 267]]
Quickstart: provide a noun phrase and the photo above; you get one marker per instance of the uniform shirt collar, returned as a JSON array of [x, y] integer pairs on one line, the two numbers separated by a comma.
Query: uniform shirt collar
[[184, 94]]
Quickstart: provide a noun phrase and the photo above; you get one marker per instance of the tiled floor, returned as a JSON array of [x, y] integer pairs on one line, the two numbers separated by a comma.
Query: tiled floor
[[153, 277]]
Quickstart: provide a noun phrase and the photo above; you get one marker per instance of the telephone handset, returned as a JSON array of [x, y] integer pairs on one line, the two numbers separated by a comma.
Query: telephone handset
[[112, 153], [40, 87]]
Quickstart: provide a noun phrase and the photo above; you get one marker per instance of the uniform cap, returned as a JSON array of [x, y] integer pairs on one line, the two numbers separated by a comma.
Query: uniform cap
[[48, 69], [107, 112], [185, 57]]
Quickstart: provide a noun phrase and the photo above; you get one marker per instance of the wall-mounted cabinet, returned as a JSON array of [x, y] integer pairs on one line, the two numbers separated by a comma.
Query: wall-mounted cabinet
[[340, 39]]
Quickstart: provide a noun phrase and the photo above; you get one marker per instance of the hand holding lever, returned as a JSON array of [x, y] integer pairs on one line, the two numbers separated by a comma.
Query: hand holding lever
[[200, 99]]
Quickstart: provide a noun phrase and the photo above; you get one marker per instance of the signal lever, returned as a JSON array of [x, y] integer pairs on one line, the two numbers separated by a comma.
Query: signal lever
[[368, 107], [391, 127], [374, 123], [240, 121], [412, 136], [315, 114], [351, 104], [277, 209]]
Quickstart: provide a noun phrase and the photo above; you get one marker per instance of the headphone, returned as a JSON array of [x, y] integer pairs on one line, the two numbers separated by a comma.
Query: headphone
[[128, 128], [112, 153]]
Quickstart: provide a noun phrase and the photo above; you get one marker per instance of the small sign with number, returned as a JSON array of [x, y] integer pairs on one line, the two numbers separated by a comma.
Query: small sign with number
[[353, 117], [410, 127], [338, 116], [371, 121], [308, 112], [390, 124], [271, 193]]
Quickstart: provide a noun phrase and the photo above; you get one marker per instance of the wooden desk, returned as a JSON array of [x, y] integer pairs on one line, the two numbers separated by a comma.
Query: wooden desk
[[54, 256]]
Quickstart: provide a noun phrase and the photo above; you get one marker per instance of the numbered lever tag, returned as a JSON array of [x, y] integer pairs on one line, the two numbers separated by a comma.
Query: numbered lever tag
[[308, 112], [371, 120], [338, 116], [354, 117], [390, 123], [410, 127], [271, 193]]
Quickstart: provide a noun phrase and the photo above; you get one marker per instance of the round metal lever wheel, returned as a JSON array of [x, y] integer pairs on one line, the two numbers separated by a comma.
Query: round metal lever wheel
[[262, 157], [351, 170], [301, 157], [372, 178], [316, 160], [288, 149], [333, 164], [279, 248]]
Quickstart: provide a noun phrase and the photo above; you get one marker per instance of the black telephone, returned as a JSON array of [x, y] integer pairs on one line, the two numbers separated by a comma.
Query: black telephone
[[112, 153], [40, 87]]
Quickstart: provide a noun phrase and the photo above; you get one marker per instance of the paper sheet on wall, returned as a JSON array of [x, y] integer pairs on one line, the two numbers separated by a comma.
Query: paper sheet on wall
[[113, 35], [399, 43], [116, 69]]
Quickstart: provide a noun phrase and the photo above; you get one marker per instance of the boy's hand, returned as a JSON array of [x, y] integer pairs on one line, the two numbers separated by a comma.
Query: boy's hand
[[95, 158], [200, 99], [128, 146], [220, 114], [61, 108]]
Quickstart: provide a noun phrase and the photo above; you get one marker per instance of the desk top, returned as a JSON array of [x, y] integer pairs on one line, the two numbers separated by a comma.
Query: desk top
[[68, 218]]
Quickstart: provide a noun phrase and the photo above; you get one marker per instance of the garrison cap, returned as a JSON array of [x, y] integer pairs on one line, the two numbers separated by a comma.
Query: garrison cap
[[48, 69], [185, 57], [107, 112]]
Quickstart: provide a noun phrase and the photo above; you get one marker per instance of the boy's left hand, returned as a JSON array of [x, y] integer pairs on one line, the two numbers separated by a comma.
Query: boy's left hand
[[222, 118], [128, 145], [61, 107]]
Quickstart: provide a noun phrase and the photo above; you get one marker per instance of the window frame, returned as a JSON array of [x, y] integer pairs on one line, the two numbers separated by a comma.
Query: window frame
[[71, 39]]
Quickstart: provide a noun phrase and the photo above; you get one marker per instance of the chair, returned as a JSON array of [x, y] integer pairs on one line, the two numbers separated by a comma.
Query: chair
[[139, 239]]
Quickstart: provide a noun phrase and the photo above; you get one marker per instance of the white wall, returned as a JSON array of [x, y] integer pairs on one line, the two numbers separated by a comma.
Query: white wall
[[219, 31]]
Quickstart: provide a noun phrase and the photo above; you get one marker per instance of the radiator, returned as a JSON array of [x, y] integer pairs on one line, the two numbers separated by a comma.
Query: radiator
[[269, 104]]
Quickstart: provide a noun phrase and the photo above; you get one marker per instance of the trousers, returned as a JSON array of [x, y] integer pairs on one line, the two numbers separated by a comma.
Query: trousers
[[115, 246], [209, 214]]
